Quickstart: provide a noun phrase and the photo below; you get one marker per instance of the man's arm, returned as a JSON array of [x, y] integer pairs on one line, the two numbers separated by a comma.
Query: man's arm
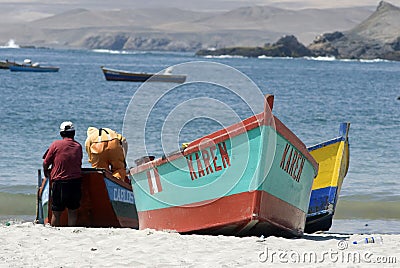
[[46, 170], [47, 160]]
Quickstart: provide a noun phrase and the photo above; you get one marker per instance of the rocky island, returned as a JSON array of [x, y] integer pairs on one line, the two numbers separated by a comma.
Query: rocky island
[[286, 46]]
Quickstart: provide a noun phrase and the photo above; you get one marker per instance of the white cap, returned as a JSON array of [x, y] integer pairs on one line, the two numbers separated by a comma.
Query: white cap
[[67, 126]]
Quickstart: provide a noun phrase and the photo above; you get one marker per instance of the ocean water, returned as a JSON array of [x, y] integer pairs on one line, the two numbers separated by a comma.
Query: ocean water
[[312, 97]]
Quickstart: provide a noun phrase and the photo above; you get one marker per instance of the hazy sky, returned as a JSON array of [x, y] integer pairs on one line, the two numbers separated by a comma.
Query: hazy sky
[[191, 4], [28, 10]]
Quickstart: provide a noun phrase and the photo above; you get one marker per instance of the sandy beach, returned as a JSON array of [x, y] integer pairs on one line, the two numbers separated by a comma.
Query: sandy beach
[[35, 245]]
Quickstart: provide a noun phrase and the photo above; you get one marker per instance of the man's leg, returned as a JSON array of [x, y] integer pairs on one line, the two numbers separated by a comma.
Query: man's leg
[[74, 198], [57, 206], [55, 218], [72, 217]]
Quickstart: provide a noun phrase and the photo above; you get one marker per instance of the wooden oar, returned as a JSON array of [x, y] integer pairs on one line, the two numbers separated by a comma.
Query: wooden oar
[[39, 207]]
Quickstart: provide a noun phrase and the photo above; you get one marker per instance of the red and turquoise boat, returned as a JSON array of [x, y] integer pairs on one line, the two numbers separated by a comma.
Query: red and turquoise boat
[[106, 201], [251, 178]]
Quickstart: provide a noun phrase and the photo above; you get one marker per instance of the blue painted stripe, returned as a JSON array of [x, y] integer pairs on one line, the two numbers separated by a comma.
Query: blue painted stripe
[[321, 199], [325, 143], [343, 133]]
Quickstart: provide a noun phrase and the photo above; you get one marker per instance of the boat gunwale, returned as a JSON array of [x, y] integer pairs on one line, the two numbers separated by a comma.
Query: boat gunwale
[[343, 136], [326, 143], [107, 174]]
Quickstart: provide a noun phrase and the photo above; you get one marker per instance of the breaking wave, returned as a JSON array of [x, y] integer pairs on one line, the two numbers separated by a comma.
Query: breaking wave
[[10, 44]]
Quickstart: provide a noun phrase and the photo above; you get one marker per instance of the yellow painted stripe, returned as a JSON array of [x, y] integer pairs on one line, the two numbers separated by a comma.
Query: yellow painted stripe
[[333, 163]]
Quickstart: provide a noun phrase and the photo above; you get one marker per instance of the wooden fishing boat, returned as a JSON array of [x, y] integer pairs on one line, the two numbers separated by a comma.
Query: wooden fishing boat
[[333, 157], [106, 201], [119, 75], [33, 68], [252, 178]]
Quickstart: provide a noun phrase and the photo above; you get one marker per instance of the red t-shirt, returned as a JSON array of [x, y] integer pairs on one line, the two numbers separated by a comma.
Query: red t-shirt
[[65, 156]]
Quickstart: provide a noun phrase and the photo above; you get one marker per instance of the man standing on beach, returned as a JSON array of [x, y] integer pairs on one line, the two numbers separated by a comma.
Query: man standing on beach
[[62, 164]]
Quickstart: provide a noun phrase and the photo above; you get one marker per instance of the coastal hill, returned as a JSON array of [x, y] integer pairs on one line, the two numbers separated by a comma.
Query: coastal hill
[[175, 29], [378, 36]]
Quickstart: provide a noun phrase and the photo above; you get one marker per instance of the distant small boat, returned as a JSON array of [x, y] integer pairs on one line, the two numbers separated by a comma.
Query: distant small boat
[[106, 201], [28, 66], [24, 68], [333, 158], [119, 75]]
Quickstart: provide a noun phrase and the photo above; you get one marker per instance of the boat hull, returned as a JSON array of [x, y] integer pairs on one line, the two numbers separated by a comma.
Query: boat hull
[[254, 177], [243, 214], [333, 157], [38, 69], [106, 202], [118, 75]]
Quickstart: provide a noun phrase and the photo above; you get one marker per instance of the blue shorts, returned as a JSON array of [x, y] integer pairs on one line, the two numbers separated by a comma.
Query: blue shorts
[[66, 193]]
